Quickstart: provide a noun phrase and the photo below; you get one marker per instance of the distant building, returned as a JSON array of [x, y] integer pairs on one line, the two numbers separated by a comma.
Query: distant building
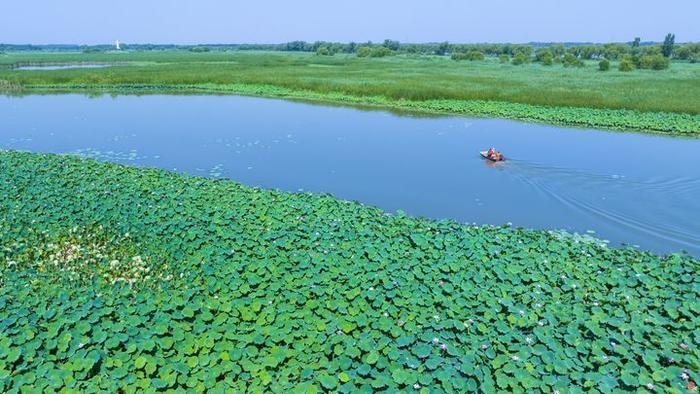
[[116, 45]]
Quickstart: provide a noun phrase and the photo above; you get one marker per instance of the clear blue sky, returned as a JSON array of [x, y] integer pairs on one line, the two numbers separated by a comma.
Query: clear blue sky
[[266, 21]]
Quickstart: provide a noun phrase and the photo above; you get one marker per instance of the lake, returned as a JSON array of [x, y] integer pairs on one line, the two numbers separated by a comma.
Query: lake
[[624, 187]]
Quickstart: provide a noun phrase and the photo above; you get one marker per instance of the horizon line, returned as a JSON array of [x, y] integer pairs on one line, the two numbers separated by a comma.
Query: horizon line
[[344, 42]]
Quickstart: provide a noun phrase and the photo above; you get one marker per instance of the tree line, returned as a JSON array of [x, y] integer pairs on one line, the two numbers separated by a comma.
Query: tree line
[[524, 52], [609, 51]]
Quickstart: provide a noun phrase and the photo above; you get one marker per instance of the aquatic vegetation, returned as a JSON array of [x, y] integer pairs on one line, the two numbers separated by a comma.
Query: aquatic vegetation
[[7, 86], [655, 122], [120, 157], [252, 289], [564, 92]]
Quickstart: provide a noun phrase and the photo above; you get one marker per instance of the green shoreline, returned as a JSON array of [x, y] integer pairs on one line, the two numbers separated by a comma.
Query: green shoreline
[[660, 123], [117, 278]]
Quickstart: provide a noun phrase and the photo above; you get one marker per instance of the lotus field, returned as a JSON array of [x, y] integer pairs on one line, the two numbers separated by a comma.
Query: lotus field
[[121, 279]]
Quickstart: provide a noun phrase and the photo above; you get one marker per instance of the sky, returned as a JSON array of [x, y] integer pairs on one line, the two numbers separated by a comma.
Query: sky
[[266, 21]]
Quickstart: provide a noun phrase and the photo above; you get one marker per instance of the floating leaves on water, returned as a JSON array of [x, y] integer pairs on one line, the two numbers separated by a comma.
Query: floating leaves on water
[[216, 171], [110, 155], [116, 278]]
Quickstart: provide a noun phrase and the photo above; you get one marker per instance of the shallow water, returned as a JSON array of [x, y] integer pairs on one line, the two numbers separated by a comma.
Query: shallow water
[[623, 187], [61, 67]]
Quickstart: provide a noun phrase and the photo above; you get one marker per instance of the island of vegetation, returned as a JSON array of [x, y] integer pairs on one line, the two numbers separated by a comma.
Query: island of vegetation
[[121, 279], [643, 86]]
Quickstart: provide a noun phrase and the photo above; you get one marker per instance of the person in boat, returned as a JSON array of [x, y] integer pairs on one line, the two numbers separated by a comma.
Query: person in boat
[[494, 155]]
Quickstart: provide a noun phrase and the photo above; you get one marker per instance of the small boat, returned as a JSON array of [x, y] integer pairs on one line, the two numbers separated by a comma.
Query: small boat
[[485, 155]]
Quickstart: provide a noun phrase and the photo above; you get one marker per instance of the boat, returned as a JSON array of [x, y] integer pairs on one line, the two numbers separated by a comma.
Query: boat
[[486, 156]]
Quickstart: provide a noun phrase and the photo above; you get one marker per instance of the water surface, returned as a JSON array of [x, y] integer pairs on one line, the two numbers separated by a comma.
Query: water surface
[[639, 189]]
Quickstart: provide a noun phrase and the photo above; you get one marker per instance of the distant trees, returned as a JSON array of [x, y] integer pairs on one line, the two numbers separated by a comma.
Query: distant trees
[[613, 51], [558, 50], [324, 51], [585, 51], [648, 50], [303, 46], [570, 60], [519, 59], [626, 64], [505, 49], [684, 53], [689, 51], [471, 55], [295, 46], [544, 56], [641, 54], [442, 48], [475, 55], [366, 51], [392, 45], [667, 47], [525, 50], [381, 52], [604, 65], [521, 54], [651, 59], [653, 62], [547, 59]]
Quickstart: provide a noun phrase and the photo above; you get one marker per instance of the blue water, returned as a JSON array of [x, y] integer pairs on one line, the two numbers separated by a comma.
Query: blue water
[[627, 188]]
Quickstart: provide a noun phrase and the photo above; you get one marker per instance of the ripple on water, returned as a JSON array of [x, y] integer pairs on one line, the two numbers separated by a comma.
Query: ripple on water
[[607, 196]]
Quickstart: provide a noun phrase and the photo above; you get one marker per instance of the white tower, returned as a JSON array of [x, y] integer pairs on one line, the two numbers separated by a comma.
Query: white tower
[[116, 44]]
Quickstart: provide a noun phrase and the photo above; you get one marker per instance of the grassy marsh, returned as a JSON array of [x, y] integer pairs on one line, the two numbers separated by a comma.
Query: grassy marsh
[[397, 79]]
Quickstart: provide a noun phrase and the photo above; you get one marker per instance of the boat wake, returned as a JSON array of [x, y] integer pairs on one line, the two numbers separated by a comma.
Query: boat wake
[[656, 207]]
